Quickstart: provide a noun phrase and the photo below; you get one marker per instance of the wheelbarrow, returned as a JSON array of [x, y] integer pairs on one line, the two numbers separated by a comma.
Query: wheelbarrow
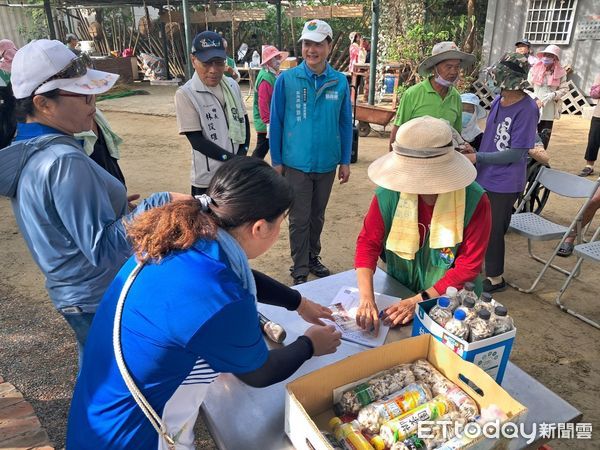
[[368, 114]]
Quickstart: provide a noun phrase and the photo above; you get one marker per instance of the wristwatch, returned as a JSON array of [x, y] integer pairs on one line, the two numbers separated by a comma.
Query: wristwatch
[[424, 295]]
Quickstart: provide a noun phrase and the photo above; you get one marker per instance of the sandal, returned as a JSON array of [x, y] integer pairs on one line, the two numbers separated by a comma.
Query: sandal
[[565, 249], [586, 171]]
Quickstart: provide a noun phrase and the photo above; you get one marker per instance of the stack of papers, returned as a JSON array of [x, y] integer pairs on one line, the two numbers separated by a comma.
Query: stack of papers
[[344, 307]]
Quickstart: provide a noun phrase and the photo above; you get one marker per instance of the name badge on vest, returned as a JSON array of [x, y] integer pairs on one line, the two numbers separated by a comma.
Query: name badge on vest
[[331, 95]]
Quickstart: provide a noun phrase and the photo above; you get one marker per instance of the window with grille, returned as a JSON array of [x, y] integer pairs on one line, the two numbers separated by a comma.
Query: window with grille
[[550, 21]]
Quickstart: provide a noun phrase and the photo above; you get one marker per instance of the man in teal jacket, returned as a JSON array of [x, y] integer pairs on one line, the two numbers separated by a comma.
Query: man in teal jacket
[[311, 135]]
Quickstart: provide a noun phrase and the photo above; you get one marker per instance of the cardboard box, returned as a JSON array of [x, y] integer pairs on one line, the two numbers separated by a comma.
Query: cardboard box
[[309, 399], [489, 354]]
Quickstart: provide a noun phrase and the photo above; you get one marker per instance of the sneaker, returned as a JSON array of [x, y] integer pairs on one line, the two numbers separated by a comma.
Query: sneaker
[[489, 287], [299, 279], [316, 267], [586, 171]]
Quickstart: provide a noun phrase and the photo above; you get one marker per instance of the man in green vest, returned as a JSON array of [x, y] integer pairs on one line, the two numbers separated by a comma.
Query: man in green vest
[[429, 221], [263, 92]]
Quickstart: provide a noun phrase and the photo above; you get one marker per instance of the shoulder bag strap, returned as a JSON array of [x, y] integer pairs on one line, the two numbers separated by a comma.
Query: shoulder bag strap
[[139, 398]]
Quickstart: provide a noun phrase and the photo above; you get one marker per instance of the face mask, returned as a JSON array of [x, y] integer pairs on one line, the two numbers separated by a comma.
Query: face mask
[[442, 81], [466, 118], [547, 61]]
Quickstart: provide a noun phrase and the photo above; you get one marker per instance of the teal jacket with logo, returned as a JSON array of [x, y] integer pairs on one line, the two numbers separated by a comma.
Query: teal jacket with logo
[[311, 120]]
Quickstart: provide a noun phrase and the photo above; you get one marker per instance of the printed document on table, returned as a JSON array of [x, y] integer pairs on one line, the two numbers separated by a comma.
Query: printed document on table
[[344, 307]]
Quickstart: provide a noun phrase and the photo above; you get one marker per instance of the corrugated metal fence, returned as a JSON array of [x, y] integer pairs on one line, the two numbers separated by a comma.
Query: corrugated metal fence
[[11, 19]]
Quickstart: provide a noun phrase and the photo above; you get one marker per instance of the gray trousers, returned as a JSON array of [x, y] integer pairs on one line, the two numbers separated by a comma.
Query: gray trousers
[[307, 215]]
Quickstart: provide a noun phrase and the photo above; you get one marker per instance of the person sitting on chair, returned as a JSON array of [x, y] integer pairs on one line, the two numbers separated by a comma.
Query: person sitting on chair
[[566, 248], [429, 219]]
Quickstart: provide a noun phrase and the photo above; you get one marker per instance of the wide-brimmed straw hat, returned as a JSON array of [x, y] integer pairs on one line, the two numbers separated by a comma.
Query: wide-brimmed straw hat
[[552, 49], [269, 52], [423, 160], [443, 51], [44, 65]]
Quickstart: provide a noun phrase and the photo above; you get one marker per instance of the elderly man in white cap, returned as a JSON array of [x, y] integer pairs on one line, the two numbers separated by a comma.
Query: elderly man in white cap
[[429, 220], [263, 88], [436, 95], [311, 136]]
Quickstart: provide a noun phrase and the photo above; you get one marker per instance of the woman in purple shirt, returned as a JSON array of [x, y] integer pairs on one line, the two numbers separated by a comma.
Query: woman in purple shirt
[[502, 158]]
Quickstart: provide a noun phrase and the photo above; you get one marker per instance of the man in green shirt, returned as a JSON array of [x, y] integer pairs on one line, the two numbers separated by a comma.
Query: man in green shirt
[[436, 95]]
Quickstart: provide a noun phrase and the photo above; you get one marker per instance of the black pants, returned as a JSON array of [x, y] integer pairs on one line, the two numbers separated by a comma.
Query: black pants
[[262, 146], [501, 205], [591, 151], [198, 190], [307, 215]]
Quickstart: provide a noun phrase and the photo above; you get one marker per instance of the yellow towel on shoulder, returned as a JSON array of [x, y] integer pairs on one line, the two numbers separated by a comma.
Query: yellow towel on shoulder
[[446, 228]]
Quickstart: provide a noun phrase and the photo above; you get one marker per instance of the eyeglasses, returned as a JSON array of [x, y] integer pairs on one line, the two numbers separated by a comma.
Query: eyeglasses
[[88, 98], [76, 68]]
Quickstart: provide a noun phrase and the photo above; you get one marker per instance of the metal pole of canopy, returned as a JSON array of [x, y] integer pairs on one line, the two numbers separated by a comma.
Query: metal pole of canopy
[[165, 46], [374, 41], [278, 7], [188, 41], [48, 11]]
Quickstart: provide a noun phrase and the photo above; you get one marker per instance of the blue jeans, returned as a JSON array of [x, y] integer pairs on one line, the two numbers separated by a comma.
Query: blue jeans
[[80, 322]]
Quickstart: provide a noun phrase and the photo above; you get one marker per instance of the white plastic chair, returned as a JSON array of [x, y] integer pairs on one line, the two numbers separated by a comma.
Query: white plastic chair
[[537, 228], [588, 251]]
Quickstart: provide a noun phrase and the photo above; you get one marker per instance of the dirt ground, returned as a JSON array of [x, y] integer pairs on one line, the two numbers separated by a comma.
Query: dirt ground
[[38, 353]]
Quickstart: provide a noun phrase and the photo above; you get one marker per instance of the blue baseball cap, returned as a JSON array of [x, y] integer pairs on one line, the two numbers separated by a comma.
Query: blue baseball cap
[[208, 45]]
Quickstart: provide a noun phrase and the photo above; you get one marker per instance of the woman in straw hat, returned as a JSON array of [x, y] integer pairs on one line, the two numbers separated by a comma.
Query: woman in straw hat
[[70, 211], [429, 219], [510, 132], [549, 81], [265, 81]]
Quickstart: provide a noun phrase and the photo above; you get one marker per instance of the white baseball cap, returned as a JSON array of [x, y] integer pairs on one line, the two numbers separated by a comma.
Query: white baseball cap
[[36, 64], [316, 31]]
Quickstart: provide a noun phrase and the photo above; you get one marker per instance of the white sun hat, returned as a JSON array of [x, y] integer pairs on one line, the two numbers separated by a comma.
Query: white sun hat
[[44, 65]]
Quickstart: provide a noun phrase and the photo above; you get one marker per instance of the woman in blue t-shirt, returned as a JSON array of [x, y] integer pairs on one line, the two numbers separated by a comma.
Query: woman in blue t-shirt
[[510, 132], [184, 310]]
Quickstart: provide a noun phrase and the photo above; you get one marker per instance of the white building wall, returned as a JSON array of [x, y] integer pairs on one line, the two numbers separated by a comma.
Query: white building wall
[[11, 19], [505, 24]]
